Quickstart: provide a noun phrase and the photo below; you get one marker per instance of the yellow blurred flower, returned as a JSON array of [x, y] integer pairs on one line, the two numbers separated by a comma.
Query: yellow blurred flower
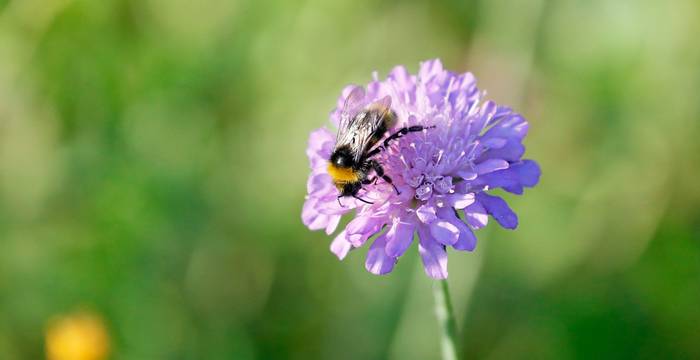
[[78, 336]]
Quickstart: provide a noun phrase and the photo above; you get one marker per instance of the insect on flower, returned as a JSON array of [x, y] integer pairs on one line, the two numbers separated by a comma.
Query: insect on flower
[[359, 131], [441, 178]]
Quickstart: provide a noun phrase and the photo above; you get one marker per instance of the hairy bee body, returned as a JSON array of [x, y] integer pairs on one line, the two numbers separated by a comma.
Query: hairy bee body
[[361, 128], [348, 165]]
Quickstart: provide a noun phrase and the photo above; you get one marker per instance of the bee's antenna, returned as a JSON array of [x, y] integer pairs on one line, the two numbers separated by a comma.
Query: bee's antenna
[[339, 203], [363, 200]]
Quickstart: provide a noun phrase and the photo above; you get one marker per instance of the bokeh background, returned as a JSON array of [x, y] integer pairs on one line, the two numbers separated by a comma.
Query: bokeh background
[[152, 172]]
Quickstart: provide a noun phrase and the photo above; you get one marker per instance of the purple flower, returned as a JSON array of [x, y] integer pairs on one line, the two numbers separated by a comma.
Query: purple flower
[[444, 174]]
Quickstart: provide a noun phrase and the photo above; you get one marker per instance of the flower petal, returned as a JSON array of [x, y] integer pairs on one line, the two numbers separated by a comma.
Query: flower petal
[[433, 255], [467, 239], [444, 232], [430, 68], [498, 208], [319, 183], [494, 143], [341, 246], [528, 173], [467, 174], [426, 214], [513, 150], [362, 228], [490, 165], [332, 224], [510, 126], [486, 112], [460, 201], [399, 237], [401, 77], [476, 215], [312, 218], [318, 150], [378, 262]]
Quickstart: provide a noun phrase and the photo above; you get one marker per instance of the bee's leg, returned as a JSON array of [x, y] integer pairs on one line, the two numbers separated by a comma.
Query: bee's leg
[[403, 131], [372, 180], [374, 152], [380, 173], [363, 200], [355, 196], [398, 134]]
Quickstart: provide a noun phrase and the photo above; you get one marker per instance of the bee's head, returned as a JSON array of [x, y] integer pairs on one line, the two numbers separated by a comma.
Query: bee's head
[[342, 158]]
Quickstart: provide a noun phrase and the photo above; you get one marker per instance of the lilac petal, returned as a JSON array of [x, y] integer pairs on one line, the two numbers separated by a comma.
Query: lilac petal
[[487, 111], [361, 228], [313, 219], [333, 221], [444, 232], [511, 126], [512, 151], [361, 224], [467, 239], [467, 174], [433, 255], [319, 222], [524, 173], [443, 184], [319, 147], [341, 246], [319, 183], [501, 178], [460, 201], [528, 173], [491, 165], [498, 208], [429, 68], [328, 204], [317, 139], [423, 192], [514, 189], [426, 214], [502, 112], [401, 76], [494, 143], [399, 237], [378, 262], [476, 216], [308, 211]]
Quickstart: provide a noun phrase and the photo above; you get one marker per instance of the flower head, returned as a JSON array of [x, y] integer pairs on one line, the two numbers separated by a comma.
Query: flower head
[[444, 174]]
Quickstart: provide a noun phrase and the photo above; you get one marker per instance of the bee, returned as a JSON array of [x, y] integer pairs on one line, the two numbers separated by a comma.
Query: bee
[[360, 129]]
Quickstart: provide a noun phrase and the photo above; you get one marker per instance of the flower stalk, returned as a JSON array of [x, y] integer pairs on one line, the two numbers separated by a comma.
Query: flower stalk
[[446, 320]]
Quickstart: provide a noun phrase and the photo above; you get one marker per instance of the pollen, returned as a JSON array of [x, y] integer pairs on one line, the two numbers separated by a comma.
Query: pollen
[[342, 175]]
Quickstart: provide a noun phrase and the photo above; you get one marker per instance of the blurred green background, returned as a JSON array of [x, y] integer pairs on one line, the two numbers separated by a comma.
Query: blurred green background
[[152, 169]]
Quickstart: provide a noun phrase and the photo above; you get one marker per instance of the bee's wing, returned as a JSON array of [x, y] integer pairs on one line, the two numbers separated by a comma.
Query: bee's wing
[[353, 103], [365, 126], [384, 104]]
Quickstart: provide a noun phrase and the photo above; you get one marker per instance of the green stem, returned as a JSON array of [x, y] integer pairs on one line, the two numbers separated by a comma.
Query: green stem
[[446, 320]]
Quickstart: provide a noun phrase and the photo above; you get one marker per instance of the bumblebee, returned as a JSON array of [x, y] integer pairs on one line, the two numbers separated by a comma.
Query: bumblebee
[[360, 129]]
